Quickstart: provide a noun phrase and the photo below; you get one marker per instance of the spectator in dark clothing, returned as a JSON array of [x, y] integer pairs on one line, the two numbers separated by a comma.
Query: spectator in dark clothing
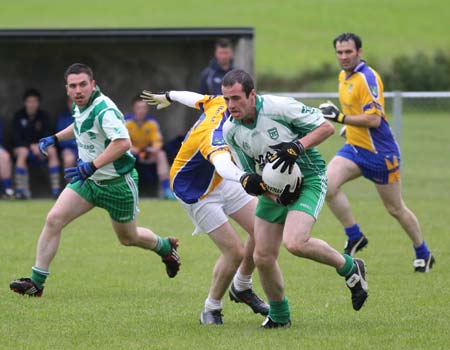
[[5, 169], [221, 64], [68, 149], [29, 125]]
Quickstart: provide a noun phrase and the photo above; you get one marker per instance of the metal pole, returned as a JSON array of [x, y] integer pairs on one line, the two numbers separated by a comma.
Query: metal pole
[[397, 111]]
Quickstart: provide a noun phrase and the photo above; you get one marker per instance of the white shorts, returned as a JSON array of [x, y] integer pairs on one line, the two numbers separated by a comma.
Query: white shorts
[[213, 210]]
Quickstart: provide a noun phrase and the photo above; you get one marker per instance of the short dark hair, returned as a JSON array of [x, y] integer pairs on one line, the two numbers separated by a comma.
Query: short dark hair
[[239, 76], [78, 68], [223, 43], [32, 93], [347, 37]]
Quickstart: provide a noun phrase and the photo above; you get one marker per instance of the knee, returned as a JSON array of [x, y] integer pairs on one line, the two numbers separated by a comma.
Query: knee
[[395, 211], [263, 259], [127, 240], [69, 160], [21, 153], [235, 256], [52, 154], [296, 246], [4, 157], [55, 221], [332, 191]]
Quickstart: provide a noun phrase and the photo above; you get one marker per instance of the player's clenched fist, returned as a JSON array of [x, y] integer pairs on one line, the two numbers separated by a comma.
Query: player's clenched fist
[[82, 171], [331, 112], [253, 184], [47, 142]]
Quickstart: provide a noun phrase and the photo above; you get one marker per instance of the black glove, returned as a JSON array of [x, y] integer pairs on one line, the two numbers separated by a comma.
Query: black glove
[[286, 154], [253, 184], [287, 197], [331, 112]]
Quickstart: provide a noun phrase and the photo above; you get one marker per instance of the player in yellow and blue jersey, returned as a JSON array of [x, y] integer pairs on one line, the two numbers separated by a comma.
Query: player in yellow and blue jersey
[[206, 182], [147, 147], [370, 150]]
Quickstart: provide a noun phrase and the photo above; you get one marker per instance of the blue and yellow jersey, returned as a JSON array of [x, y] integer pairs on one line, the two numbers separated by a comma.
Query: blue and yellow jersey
[[362, 93], [146, 135], [192, 175]]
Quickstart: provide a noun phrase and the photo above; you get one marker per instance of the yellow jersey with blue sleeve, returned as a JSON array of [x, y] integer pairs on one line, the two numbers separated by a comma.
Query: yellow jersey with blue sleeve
[[374, 150], [192, 175], [146, 134], [361, 92]]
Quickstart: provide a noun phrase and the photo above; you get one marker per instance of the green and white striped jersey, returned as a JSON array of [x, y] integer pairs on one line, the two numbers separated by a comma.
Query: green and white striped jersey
[[278, 119], [95, 126]]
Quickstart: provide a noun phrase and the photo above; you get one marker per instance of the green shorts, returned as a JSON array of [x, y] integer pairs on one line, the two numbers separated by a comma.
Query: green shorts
[[118, 196], [312, 196]]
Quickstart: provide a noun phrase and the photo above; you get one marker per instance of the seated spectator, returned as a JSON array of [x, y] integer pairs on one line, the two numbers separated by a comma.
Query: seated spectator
[[221, 64], [5, 169], [147, 143], [67, 149], [29, 125]]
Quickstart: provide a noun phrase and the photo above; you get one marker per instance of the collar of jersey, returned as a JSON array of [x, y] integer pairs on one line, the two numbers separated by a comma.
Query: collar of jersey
[[94, 95], [258, 106], [357, 69]]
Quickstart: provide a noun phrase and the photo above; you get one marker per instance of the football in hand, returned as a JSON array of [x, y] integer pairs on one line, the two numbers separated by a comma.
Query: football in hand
[[276, 181]]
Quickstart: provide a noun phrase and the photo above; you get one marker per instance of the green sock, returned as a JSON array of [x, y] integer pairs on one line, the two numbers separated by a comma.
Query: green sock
[[39, 276], [348, 268], [279, 310], [162, 247]]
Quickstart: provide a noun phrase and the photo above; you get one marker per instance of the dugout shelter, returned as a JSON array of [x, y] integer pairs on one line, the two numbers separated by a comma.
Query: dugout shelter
[[124, 61]]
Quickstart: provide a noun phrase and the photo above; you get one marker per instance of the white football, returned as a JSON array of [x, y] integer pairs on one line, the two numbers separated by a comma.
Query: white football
[[276, 181]]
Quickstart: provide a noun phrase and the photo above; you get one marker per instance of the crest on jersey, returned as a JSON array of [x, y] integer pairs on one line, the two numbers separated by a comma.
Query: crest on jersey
[[374, 90], [245, 145], [273, 133], [350, 88]]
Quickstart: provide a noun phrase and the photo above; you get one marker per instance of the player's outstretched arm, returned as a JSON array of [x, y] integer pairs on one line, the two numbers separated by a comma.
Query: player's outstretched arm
[[63, 135], [164, 99], [331, 112]]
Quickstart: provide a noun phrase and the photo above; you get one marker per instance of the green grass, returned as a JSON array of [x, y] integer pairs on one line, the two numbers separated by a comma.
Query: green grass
[[101, 295], [291, 35]]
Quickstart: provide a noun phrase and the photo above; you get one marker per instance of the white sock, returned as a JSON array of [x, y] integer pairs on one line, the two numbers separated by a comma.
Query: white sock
[[242, 282], [212, 304]]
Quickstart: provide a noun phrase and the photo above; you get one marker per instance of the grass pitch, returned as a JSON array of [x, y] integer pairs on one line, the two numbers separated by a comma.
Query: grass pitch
[[291, 36], [101, 295]]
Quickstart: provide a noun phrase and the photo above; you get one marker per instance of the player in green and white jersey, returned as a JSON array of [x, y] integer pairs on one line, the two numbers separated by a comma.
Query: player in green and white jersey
[[104, 177], [265, 127]]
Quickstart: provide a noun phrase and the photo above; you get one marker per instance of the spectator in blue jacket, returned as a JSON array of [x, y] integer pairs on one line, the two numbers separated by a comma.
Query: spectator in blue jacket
[[68, 149], [221, 64], [29, 125], [5, 169]]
